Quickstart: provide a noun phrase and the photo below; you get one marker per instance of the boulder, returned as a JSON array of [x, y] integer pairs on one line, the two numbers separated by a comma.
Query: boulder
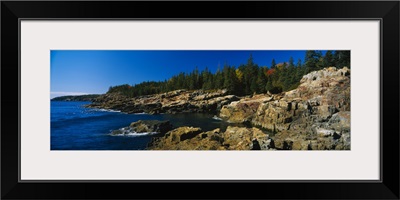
[[187, 138], [243, 110], [151, 126], [145, 126], [181, 134], [234, 138], [240, 138]]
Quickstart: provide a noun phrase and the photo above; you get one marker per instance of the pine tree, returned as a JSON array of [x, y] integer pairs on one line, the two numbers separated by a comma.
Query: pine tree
[[261, 81], [247, 79], [273, 64], [269, 85], [219, 80], [239, 75], [342, 59], [206, 78], [253, 86], [328, 59], [228, 84], [250, 61], [311, 60], [291, 62]]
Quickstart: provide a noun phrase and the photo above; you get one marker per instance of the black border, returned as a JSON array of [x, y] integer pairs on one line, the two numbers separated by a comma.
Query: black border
[[387, 11], [179, 180]]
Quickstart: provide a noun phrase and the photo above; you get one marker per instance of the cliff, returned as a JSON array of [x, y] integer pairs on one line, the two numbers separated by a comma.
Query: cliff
[[315, 116]]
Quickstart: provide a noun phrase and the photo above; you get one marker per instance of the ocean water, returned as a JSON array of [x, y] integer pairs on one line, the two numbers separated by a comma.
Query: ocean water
[[74, 127]]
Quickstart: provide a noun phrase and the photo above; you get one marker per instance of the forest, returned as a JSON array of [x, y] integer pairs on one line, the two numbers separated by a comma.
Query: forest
[[245, 79]]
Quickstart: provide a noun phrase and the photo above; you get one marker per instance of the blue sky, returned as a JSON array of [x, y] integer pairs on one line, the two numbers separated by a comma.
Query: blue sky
[[75, 72]]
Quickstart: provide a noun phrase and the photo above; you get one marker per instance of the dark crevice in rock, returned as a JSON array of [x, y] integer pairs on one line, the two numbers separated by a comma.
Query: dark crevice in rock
[[336, 136], [287, 145], [256, 145], [189, 135]]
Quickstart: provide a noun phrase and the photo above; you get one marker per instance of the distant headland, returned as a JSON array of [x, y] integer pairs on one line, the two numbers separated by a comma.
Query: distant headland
[[86, 97]]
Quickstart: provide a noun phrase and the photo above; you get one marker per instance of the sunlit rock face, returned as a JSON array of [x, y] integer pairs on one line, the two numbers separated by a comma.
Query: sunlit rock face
[[178, 101], [316, 115]]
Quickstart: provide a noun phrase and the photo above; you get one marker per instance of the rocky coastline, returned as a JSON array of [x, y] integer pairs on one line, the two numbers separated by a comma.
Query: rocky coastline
[[178, 101], [314, 116]]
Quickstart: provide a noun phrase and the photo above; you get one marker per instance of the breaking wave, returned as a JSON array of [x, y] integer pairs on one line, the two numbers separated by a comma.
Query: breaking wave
[[216, 118], [106, 110], [142, 113], [134, 134]]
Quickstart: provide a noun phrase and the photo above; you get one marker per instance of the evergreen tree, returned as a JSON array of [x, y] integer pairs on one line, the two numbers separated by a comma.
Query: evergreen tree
[[247, 79], [291, 62], [273, 64], [250, 61], [219, 80], [253, 86], [269, 85], [291, 72], [299, 70], [239, 75], [328, 59], [342, 59], [228, 82], [311, 60], [206, 77], [261, 80]]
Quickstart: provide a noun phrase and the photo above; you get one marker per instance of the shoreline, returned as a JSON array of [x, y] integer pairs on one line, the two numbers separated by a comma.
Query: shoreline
[[314, 116]]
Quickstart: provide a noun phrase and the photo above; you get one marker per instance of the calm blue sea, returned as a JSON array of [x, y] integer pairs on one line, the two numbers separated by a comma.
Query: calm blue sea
[[74, 127]]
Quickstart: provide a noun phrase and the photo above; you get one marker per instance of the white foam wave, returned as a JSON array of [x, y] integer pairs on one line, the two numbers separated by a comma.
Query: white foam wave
[[142, 113], [134, 134], [107, 110], [216, 118]]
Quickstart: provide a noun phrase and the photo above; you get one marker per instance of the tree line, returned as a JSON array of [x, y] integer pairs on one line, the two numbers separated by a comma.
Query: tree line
[[246, 79]]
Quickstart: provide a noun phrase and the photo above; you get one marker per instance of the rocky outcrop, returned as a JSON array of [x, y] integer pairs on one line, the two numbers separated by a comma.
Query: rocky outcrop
[[243, 111], [234, 138], [178, 101], [176, 139], [316, 115], [321, 139], [144, 126], [239, 138]]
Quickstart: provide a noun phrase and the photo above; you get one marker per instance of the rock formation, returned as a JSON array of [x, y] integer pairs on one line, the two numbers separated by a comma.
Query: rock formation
[[234, 138], [177, 101], [145, 126], [316, 115]]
